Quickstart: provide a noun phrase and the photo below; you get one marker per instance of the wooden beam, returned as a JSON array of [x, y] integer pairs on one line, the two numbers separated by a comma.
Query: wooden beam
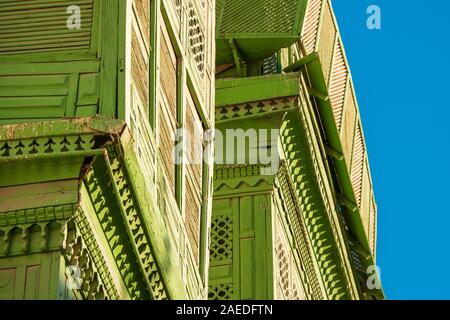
[[318, 94], [300, 63]]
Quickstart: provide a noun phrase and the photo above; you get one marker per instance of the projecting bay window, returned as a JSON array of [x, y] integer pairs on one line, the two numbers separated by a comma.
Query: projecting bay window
[[167, 121], [180, 130]]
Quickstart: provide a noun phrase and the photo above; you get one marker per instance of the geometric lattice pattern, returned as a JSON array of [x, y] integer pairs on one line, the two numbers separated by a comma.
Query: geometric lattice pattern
[[283, 269], [270, 65], [221, 238], [287, 277], [296, 290], [255, 108], [221, 292], [221, 257], [196, 39], [55, 144], [358, 263], [258, 16]]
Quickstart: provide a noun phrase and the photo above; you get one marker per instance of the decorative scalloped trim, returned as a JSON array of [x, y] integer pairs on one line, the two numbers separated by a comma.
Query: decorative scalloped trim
[[264, 107], [242, 184], [51, 235], [47, 145], [313, 209], [300, 234], [97, 258], [37, 215]]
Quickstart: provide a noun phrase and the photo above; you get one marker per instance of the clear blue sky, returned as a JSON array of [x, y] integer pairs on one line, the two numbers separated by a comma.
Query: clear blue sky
[[401, 74]]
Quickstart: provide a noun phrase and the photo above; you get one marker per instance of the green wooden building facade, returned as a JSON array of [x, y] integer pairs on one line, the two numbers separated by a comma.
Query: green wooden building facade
[[111, 185]]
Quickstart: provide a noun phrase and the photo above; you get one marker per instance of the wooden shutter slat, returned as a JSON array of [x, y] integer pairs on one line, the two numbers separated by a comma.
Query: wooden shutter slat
[[41, 26]]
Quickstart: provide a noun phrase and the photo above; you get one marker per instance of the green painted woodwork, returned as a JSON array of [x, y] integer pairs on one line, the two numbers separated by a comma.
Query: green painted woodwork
[[46, 165], [288, 203], [33, 91], [245, 257], [155, 8], [108, 54], [337, 254], [241, 245], [48, 213], [185, 23], [151, 220], [301, 167], [31, 277], [320, 54], [334, 141], [48, 71], [82, 257], [92, 233], [259, 28], [38, 195], [41, 27], [79, 188], [137, 242], [252, 89], [32, 264]]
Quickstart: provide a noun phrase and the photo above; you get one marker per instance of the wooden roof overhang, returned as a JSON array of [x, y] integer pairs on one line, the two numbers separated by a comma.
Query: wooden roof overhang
[[241, 101], [70, 170]]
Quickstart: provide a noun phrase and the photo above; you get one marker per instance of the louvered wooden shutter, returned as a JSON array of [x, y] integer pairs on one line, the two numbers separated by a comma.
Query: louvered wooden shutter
[[194, 147], [338, 84], [168, 110], [358, 163], [311, 25], [32, 26]]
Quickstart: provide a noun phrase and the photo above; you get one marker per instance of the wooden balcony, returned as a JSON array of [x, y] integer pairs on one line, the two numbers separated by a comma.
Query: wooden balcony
[[320, 49]]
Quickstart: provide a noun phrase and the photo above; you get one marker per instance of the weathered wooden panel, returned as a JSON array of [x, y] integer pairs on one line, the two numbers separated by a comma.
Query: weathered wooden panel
[[168, 71], [358, 163], [41, 26], [29, 277], [249, 217], [51, 68], [139, 89], [141, 13], [338, 83], [144, 142], [221, 282], [196, 38], [37, 195], [327, 37], [311, 25], [286, 278], [33, 96], [140, 45], [348, 127], [168, 107], [166, 147], [193, 196], [366, 190], [88, 95], [49, 91], [372, 226]]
